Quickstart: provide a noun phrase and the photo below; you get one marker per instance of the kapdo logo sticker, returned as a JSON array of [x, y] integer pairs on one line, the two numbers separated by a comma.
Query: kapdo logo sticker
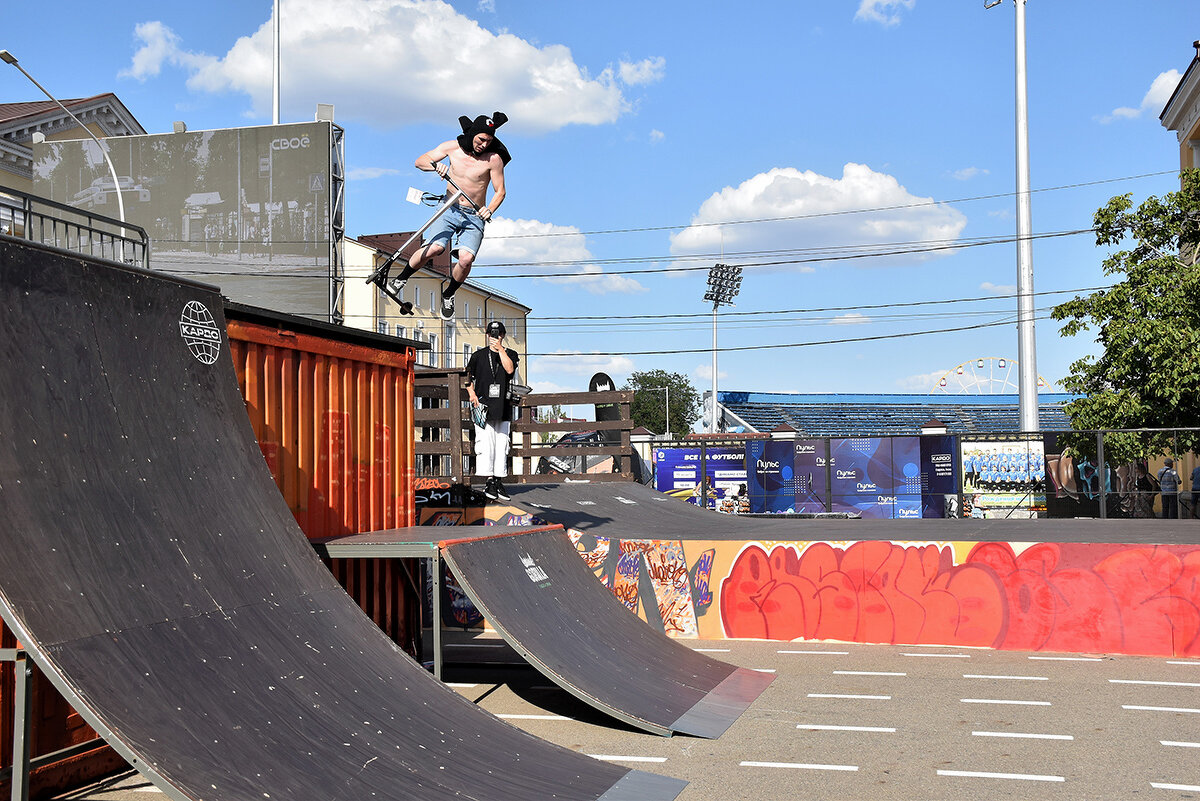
[[200, 332]]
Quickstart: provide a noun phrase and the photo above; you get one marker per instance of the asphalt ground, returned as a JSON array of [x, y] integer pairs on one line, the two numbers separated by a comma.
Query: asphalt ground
[[848, 721]]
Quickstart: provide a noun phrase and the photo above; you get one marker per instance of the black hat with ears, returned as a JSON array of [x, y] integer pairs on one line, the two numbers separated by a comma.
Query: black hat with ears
[[484, 124]]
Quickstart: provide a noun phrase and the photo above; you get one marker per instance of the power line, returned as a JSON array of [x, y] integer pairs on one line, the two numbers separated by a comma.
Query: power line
[[819, 214], [781, 346]]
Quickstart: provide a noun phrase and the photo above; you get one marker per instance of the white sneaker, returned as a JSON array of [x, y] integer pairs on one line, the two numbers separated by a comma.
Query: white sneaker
[[447, 307]]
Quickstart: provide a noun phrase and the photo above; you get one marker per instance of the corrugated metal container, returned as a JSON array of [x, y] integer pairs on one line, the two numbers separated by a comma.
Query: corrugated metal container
[[334, 421], [332, 409]]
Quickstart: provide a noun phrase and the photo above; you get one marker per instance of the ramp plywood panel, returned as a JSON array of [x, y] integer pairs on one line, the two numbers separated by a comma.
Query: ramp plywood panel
[[537, 592], [154, 572]]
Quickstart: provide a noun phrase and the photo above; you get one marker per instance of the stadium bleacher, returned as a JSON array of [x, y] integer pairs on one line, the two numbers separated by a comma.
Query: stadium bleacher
[[839, 415]]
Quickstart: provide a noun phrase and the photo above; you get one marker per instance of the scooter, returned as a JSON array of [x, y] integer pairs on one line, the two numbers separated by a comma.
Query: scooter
[[380, 276]]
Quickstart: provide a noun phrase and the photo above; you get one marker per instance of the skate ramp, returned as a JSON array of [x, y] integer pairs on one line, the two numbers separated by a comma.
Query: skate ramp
[[154, 573], [542, 598]]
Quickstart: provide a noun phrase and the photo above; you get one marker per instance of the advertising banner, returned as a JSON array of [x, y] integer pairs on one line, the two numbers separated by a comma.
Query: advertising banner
[[1003, 477], [771, 476], [877, 477], [811, 469], [939, 476], [678, 470]]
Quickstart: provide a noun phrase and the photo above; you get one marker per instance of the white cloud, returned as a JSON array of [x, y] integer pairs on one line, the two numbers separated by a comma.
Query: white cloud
[[863, 208], [649, 70], [540, 247], [367, 173], [487, 6], [967, 173], [885, 12], [574, 362], [853, 318], [1155, 99], [160, 45], [399, 62], [998, 289], [656, 136], [923, 382], [704, 372]]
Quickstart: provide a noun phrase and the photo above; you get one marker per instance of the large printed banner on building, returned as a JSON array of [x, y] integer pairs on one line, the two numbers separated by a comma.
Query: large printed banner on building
[[678, 470], [247, 209], [877, 477]]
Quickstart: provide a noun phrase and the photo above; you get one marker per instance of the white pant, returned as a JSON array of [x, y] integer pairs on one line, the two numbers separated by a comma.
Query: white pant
[[491, 450]]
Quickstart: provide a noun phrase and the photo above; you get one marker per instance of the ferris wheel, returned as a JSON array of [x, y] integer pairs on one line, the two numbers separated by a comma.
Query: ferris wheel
[[991, 375]]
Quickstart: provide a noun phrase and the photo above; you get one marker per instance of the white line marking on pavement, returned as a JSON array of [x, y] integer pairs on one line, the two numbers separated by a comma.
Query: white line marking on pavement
[[763, 670], [616, 758], [1180, 744], [1022, 735], [829, 653], [1161, 708], [841, 695], [1156, 683], [818, 727], [798, 765], [976, 774], [1067, 658], [1177, 662], [866, 673], [532, 717], [1003, 701], [1012, 678], [941, 656], [1185, 787]]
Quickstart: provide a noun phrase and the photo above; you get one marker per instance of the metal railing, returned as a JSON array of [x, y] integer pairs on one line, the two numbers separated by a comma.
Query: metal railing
[[36, 219]]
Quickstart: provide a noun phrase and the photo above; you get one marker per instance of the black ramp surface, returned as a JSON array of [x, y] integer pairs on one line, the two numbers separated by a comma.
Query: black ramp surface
[[548, 605], [154, 572], [627, 510]]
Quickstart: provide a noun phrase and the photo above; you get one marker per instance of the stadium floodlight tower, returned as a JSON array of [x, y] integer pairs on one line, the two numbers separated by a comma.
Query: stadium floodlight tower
[[724, 282], [9, 58], [1026, 340]]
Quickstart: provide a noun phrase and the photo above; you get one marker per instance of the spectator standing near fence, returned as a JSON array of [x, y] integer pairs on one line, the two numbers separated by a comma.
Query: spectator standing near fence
[[1168, 484], [1196, 491]]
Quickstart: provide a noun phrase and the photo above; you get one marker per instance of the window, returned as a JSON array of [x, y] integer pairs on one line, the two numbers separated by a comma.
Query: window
[[433, 351], [466, 310], [481, 316], [432, 300], [381, 327], [417, 297], [466, 354]]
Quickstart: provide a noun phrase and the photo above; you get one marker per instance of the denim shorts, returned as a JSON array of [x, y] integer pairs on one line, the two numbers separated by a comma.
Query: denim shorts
[[457, 229]]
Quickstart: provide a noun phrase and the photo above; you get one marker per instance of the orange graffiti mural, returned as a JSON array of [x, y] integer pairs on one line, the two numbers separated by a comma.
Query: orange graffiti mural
[[1063, 597]]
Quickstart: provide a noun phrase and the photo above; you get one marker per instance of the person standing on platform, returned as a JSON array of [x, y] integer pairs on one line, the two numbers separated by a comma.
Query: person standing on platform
[[490, 373], [1196, 491]]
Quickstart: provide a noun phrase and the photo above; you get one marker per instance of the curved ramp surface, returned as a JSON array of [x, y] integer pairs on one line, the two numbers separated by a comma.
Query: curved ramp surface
[[627, 510], [548, 605], [152, 569]]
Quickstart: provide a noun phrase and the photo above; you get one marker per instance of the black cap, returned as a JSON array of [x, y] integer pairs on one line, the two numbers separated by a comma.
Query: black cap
[[496, 329]]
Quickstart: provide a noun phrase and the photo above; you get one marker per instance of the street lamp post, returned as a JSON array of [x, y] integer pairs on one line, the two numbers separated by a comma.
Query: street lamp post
[[724, 283], [9, 58], [1026, 339]]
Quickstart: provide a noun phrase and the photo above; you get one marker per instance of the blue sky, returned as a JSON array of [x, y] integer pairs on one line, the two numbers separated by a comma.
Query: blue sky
[[852, 153]]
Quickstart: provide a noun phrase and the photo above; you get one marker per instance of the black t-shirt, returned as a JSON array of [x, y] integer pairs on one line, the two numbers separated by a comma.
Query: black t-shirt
[[485, 369]]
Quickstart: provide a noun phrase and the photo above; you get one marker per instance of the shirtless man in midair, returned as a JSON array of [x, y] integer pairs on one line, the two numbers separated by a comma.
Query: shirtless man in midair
[[475, 160]]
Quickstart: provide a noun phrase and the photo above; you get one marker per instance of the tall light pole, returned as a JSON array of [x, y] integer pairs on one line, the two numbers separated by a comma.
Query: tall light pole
[[9, 58], [1026, 339], [724, 283], [275, 51]]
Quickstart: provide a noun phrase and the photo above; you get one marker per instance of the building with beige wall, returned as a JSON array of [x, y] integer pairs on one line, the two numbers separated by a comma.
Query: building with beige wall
[[1182, 114], [104, 115], [451, 342]]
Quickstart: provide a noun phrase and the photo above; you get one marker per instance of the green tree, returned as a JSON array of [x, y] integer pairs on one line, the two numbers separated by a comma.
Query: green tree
[[649, 407], [551, 414], [1147, 325]]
